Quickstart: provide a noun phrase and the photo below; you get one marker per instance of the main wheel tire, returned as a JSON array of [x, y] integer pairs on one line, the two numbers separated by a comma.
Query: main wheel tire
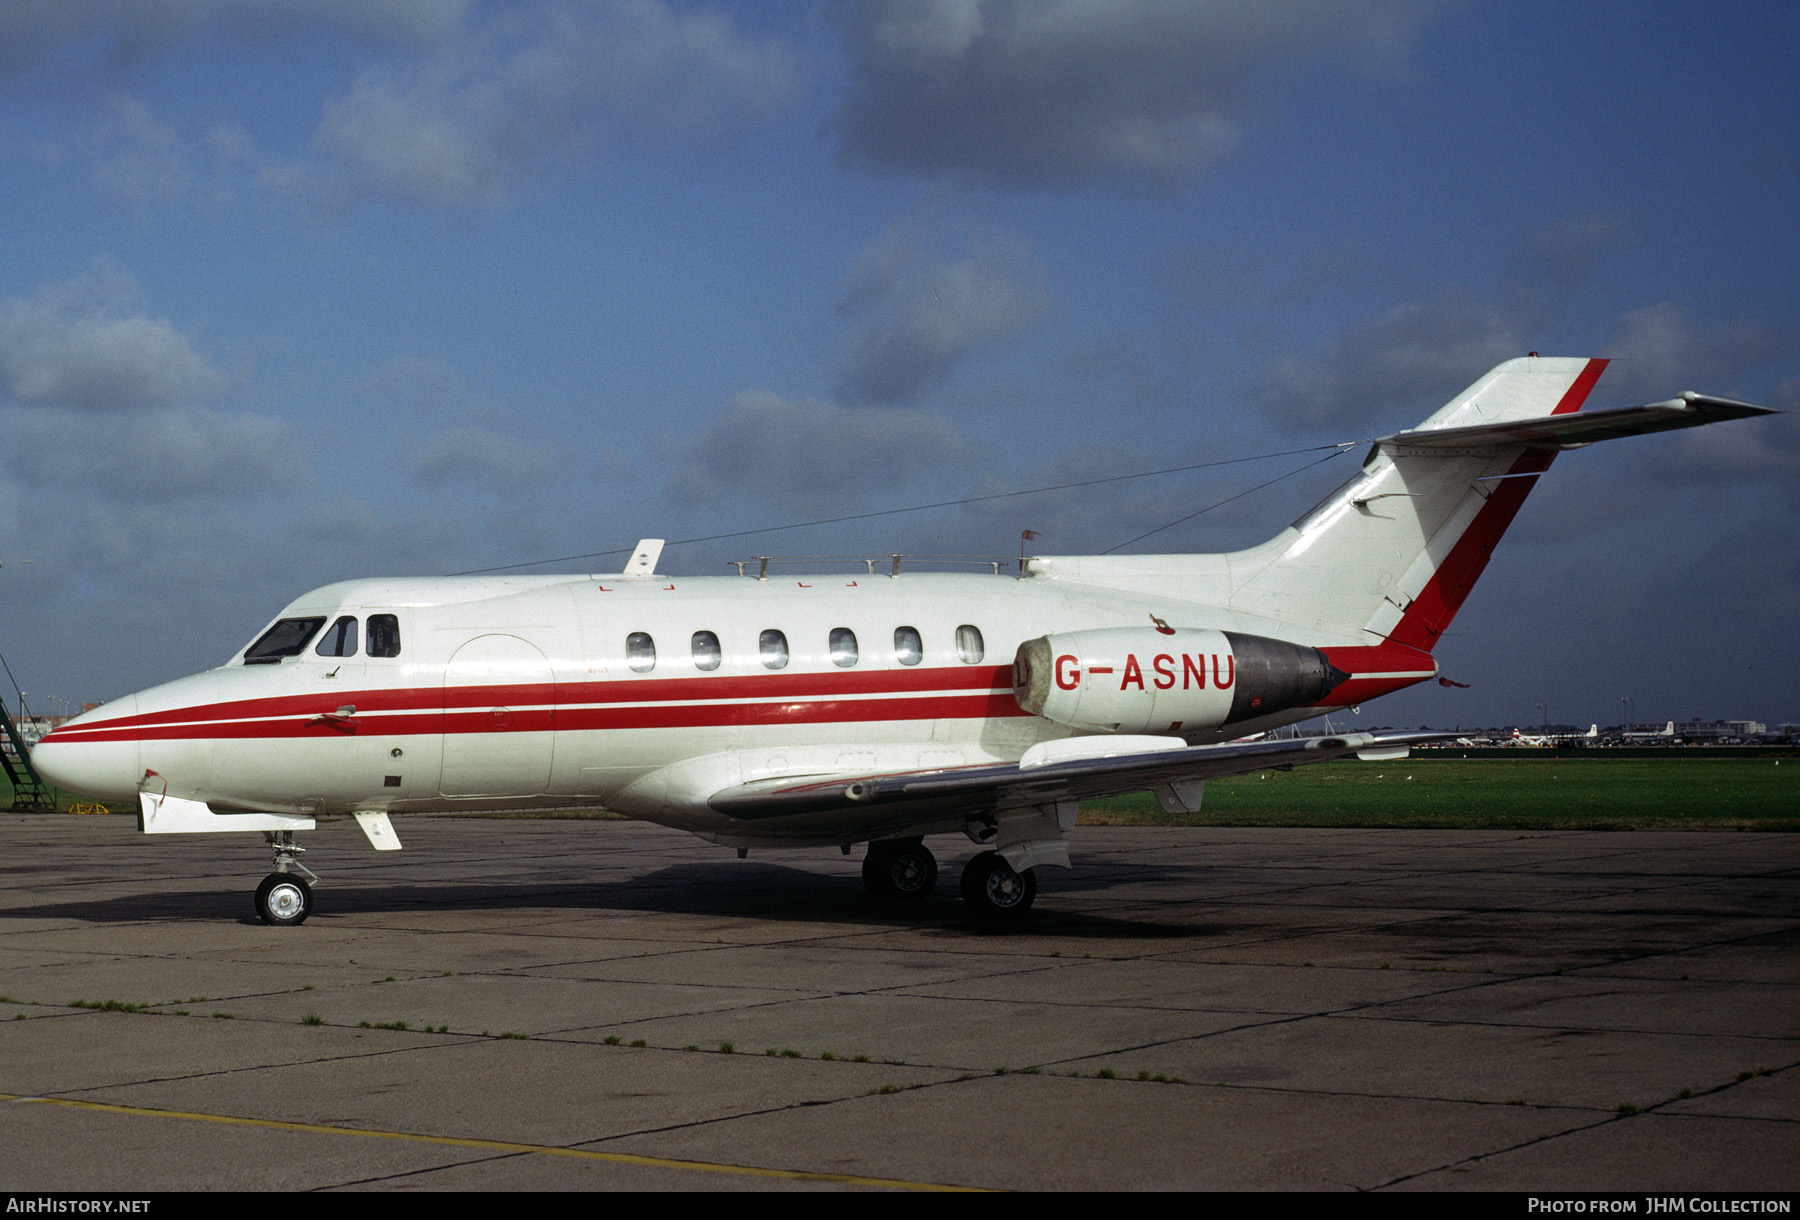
[[992, 889], [283, 900], [901, 869]]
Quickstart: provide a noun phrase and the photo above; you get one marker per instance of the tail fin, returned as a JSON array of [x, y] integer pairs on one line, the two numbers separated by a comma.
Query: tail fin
[[1392, 554], [1388, 558]]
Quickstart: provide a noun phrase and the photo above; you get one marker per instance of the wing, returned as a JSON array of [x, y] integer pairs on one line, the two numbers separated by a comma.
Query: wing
[[1043, 778]]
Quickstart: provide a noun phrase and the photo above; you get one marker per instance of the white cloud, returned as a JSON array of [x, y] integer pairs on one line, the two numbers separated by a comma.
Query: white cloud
[[140, 158], [476, 454], [143, 160], [417, 384], [1389, 370], [343, 521], [1567, 251], [158, 455], [1662, 349], [1761, 455], [542, 86], [118, 33], [1036, 93], [915, 317], [82, 344], [805, 453]]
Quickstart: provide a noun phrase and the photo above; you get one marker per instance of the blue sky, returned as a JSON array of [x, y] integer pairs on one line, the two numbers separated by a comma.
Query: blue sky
[[302, 290]]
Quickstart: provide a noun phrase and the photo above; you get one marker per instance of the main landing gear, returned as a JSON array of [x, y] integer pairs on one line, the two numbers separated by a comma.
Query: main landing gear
[[904, 870], [992, 888], [900, 869], [284, 900]]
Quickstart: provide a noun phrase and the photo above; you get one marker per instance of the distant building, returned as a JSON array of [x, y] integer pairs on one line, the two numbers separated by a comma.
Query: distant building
[[1718, 730]]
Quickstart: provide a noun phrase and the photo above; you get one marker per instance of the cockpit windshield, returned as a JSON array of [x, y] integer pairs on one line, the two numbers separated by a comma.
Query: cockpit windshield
[[285, 639]]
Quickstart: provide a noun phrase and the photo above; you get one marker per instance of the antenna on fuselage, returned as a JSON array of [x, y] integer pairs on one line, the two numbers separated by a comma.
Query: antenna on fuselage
[[643, 559]]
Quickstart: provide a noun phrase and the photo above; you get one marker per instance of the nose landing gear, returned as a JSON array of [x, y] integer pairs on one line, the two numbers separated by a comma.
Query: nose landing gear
[[284, 900]]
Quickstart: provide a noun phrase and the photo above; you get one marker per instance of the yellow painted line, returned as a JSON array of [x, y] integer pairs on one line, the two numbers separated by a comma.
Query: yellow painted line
[[619, 1158]]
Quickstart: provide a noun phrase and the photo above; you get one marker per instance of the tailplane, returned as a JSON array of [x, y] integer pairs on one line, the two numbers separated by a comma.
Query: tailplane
[[1392, 554], [1389, 557]]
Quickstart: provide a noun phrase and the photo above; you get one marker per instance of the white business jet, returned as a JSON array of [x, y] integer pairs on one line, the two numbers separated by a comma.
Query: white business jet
[[879, 706]]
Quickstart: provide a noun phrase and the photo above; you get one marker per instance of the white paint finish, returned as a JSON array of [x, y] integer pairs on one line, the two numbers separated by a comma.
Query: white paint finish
[[497, 760], [1071, 748], [378, 830], [162, 815]]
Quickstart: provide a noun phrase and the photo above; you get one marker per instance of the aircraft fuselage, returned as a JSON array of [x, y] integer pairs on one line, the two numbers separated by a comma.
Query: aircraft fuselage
[[639, 694]]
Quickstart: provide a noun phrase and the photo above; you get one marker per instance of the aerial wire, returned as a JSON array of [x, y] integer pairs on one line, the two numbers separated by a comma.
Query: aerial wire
[[1335, 450], [999, 495]]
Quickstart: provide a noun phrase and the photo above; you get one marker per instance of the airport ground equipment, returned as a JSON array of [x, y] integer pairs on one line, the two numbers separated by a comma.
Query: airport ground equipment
[[30, 793]]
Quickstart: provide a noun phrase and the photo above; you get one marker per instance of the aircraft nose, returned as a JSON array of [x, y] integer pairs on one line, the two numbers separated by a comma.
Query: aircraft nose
[[86, 756]]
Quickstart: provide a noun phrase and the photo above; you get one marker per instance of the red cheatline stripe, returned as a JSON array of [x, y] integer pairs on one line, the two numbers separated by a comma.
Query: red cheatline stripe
[[418, 701], [569, 719], [1385, 658]]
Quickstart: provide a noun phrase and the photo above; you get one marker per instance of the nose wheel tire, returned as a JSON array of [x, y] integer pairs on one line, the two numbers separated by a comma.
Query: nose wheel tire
[[283, 900], [900, 869], [993, 889]]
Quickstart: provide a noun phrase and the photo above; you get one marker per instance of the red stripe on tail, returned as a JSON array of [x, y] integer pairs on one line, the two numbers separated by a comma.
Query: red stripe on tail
[[1583, 385]]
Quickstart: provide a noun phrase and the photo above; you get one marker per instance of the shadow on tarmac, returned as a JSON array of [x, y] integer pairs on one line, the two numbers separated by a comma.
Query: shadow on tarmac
[[750, 889]]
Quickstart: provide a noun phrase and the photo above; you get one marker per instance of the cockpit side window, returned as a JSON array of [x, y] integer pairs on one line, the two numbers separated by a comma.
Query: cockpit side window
[[384, 635], [286, 638], [339, 639]]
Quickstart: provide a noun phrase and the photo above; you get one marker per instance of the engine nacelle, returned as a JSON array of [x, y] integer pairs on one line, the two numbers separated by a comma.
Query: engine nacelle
[[1148, 680]]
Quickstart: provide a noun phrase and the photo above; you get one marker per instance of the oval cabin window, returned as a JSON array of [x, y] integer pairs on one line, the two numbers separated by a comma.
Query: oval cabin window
[[843, 647], [640, 652], [908, 650], [773, 647], [968, 644], [706, 650]]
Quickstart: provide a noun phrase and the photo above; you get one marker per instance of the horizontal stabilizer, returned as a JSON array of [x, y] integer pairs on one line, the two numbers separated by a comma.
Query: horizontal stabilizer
[[1573, 430]]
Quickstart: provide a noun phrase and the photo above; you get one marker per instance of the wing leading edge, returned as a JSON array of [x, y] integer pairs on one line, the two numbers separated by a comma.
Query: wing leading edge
[[1015, 785]]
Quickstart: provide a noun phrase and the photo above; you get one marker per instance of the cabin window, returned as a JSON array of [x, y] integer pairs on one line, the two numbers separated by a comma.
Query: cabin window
[[773, 646], [640, 652], [968, 644], [907, 648], [339, 639], [284, 639], [843, 647], [706, 650], [384, 636]]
